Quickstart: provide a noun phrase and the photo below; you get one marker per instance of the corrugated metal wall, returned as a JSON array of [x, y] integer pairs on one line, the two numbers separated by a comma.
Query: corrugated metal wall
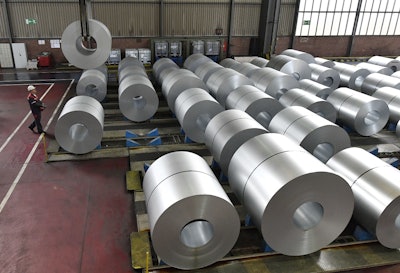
[[286, 16], [135, 18], [3, 30]]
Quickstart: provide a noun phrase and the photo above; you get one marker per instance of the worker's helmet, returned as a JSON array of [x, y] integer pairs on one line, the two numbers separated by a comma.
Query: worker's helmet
[[31, 87]]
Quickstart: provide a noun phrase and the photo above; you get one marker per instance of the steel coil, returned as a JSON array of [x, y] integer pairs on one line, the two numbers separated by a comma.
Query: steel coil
[[229, 63], [385, 61], [193, 223], [364, 114], [299, 69], [374, 68], [129, 61], [299, 97], [194, 110], [137, 98], [131, 70], [260, 62], [315, 88], [324, 75], [227, 131], [160, 65], [273, 82], [350, 75], [205, 70], [93, 83], [324, 62], [79, 128], [178, 81], [291, 197], [317, 135], [376, 192], [259, 105], [75, 51], [396, 74], [224, 81], [245, 68], [392, 98], [376, 80], [307, 57], [195, 60]]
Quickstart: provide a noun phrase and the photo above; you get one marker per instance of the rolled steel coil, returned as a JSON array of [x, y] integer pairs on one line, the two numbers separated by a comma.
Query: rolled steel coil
[[224, 81], [229, 63], [299, 69], [245, 68], [273, 82], [374, 68], [205, 70], [299, 97], [260, 62], [307, 57], [315, 88], [324, 62], [193, 223], [324, 75], [350, 75], [79, 128], [160, 65], [375, 81], [129, 61], [131, 70], [259, 105], [392, 98], [291, 196], [317, 135], [364, 114], [138, 100], [194, 110], [376, 192], [195, 60], [178, 81], [396, 74], [393, 64], [93, 83], [75, 51], [227, 131]]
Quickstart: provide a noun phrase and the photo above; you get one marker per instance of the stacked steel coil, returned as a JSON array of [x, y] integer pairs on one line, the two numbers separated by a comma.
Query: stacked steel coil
[[297, 68], [307, 57], [76, 52], [260, 62], [317, 135], [376, 80], [229, 63], [392, 97], [376, 189], [350, 75], [224, 81], [299, 97], [137, 98], [192, 221], [324, 62], [315, 88], [261, 106], [374, 68], [245, 68], [163, 66], [364, 114], [273, 82], [194, 61], [93, 83], [195, 107], [393, 64], [324, 75], [79, 127], [291, 197], [206, 69], [227, 131]]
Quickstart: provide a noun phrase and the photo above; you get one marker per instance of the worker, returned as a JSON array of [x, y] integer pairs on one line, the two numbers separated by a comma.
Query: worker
[[37, 107]]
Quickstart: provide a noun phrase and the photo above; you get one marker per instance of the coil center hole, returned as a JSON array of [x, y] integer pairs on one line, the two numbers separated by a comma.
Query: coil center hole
[[264, 118], [91, 89], [280, 93], [296, 75], [197, 233], [371, 118], [139, 102], [328, 81], [359, 80], [78, 132], [86, 46], [308, 215]]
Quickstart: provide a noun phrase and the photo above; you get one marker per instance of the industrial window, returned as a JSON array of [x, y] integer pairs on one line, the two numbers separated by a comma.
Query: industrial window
[[338, 17]]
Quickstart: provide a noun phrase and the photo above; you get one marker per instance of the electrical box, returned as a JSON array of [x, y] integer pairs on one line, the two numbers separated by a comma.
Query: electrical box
[[212, 48], [160, 49], [132, 52], [44, 59], [144, 55], [115, 56], [175, 49], [197, 47]]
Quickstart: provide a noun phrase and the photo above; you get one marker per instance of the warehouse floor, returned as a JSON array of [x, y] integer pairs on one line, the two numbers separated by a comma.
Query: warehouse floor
[[70, 216]]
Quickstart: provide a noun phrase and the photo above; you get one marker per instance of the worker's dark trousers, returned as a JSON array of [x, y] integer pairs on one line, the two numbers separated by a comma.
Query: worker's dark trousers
[[36, 123]]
